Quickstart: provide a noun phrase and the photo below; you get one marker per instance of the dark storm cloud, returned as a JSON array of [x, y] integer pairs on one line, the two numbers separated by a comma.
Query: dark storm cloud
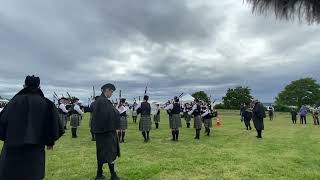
[[172, 47]]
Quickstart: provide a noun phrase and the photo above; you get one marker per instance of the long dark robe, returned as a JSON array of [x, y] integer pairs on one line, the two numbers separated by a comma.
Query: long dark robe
[[105, 122], [27, 124], [258, 115], [92, 105]]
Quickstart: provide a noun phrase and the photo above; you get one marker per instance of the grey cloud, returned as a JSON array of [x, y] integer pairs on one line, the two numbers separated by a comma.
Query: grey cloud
[[172, 46]]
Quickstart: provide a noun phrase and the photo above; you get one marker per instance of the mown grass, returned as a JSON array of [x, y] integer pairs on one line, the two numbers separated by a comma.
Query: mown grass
[[287, 151]]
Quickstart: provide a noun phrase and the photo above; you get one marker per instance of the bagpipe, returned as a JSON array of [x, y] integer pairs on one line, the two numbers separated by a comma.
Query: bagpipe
[[145, 93]]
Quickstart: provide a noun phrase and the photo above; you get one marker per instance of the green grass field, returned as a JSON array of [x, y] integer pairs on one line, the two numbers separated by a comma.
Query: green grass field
[[287, 151]]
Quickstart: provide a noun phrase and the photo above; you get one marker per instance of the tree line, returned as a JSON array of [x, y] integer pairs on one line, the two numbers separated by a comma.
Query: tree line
[[300, 92]]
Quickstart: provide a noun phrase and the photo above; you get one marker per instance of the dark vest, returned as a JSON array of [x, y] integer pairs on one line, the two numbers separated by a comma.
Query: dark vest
[[145, 108], [176, 108], [197, 111]]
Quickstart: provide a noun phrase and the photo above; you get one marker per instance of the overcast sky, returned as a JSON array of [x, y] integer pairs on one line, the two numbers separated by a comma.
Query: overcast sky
[[171, 46]]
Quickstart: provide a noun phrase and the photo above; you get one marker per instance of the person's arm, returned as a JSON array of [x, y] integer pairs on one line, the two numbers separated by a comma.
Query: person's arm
[[194, 107], [63, 108], [205, 113], [77, 108], [122, 109], [169, 107]]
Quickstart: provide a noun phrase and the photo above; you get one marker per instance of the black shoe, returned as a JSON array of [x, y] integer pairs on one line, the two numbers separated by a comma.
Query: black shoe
[[114, 177], [100, 177]]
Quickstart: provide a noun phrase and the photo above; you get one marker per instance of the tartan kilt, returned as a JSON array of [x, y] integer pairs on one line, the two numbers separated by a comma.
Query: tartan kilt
[[123, 123], [175, 121], [156, 118], [197, 122], [75, 120], [145, 123], [187, 117], [207, 123], [63, 118]]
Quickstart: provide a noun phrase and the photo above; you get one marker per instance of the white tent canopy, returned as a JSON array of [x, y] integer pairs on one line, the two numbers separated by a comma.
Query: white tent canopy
[[187, 98], [3, 101]]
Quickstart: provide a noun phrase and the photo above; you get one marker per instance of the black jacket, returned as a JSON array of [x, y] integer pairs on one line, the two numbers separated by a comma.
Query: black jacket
[[105, 116], [258, 115], [30, 118]]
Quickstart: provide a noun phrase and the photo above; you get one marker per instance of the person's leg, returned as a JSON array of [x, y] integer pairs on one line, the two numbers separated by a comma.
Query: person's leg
[[177, 134], [75, 132], [123, 134], [148, 137], [100, 171], [113, 171], [196, 136], [259, 133], [144, 136], [173, 135], [119, 136], [208, 133], [197, 133]]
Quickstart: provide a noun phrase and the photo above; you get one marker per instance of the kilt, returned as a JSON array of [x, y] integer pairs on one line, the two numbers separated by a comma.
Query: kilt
[[75, 120], [175, 121], [187, 117], [197, 122], [207, 123], [26, 162], [145, 123], [63, 118], [123, 123], [156, 118], [107, 147]]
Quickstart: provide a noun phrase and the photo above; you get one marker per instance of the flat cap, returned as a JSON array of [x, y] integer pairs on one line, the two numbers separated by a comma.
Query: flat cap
[[108, 86]]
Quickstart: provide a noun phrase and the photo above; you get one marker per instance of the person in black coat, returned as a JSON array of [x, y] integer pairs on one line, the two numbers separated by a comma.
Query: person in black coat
[[294, 116], [247, 116], [258, 115], [27, 124], [105, 122]]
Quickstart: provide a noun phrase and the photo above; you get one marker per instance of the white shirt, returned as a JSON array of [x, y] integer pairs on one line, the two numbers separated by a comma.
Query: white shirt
[[63, 108], [122, 109], [1, 109], [138, 106], [169, 107], [77, 108], [194, 107], [206, 112]]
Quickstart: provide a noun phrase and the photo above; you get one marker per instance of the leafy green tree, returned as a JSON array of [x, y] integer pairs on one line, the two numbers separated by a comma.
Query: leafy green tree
[[236, 96], [289, 9], [201, 95], [300, 92]]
